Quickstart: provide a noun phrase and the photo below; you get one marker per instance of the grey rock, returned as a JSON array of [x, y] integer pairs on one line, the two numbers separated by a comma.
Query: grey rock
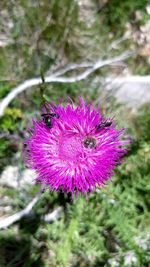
[[129, 91], [12, 177], [133, 94]]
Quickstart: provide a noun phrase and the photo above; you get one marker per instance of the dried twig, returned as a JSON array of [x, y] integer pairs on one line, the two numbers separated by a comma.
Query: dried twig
[[56, 77], [4, 223], [116, 43], [54, 215], [51, 217]]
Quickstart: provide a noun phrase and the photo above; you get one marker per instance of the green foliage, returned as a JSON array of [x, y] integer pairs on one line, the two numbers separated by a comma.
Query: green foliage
[[142, 123], [9, 121], [98, 231], [117, 13], [4, 88]]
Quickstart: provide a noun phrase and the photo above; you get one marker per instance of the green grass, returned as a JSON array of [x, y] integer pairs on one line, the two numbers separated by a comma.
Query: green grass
[[91, 232]]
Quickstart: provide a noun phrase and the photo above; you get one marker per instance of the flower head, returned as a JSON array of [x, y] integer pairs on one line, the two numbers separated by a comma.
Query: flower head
[[74, 148]]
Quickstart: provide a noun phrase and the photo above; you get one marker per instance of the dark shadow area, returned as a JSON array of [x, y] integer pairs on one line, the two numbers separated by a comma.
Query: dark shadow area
[[18, 250], [30, 224]]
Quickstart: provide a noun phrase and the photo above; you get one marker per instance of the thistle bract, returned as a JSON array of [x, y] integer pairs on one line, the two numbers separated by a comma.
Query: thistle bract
[[74, 148]]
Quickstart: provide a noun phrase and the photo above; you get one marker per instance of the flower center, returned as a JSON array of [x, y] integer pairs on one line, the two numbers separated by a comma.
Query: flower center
[[89, 142], [70, 148]]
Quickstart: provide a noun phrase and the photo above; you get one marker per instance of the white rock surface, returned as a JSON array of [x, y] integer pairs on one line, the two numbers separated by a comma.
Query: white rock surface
[[130, 259], [134, 91], [12, 177], [134, 95]]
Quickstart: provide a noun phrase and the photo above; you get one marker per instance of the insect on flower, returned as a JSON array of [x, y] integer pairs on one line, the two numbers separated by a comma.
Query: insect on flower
[[73, 148], [47, 118], [104, 124]]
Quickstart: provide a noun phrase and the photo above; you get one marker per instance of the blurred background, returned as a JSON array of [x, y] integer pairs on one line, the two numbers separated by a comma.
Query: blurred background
[[38, 39]]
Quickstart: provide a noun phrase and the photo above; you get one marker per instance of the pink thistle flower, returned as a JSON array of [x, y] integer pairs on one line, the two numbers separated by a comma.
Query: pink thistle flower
[[74, 148]]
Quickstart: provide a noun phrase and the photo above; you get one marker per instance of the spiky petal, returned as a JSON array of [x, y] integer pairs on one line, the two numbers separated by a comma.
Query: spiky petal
[[73, 148]]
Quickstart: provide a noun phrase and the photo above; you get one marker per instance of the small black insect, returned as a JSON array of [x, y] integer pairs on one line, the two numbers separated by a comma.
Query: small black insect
[[90, 142], [104, 124], [47, 118]]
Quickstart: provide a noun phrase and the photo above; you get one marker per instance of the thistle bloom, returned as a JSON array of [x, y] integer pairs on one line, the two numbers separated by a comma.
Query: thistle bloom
[[74, 148]]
